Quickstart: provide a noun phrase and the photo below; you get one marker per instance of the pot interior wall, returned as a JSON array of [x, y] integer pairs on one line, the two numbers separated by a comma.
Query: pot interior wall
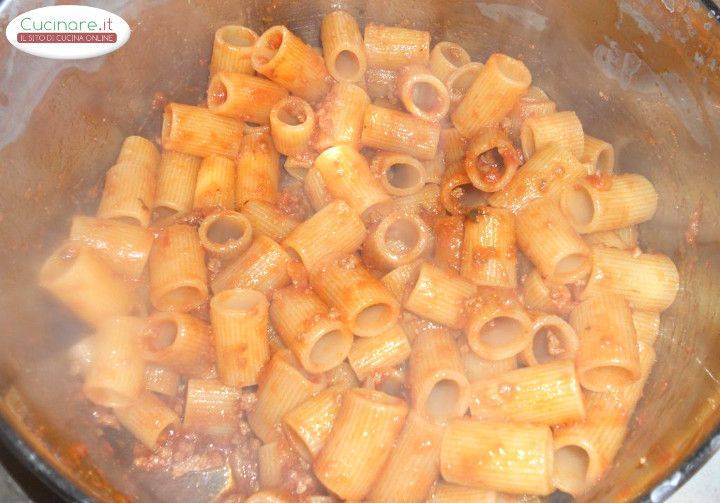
[[640, 74]]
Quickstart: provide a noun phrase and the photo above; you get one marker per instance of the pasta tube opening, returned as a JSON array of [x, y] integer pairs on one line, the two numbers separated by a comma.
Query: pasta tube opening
[[578, 205], [161, 334], [237, 36], [375, 317], [459, 196], [239, 301], [423, 94], [225, 234], [444, 398], [330, 349], [491, 161], [268, 46], [401, 175], [553, 339], [570, 468], [346, 65]]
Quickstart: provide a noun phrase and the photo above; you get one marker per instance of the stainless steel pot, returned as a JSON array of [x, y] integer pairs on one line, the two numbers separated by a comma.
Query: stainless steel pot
[[642, 74]]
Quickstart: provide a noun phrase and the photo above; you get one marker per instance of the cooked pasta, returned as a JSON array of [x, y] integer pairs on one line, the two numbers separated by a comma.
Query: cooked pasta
[[363, 270]]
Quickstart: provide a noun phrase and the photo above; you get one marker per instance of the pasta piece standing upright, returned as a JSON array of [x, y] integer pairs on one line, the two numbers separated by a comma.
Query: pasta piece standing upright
[[438, 385], [399, 174], [392, 47], [495, 91], [239, 320], [340, 116], [491, 160], [398, 239], [422, 93], [180, 342], [308, 425], [608, 354], [146, 417], [130, 184], [177, 176], [292, 124], [284, 58], [351, 459], [258, 170], [343, 47], [488, 248], [225, 234], [599, 154], [116, 375], [553, 339], [232, 48], [178, 277], [215, 185]]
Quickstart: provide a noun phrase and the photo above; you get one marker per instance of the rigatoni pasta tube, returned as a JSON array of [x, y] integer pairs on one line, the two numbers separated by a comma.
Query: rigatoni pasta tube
[[608, 357], [116, 375], [491, 160], [215, 185], [599, 154], [542, 394], [178, 278], [342, 375], [258, 170], [318, 341], [292, 123], [561, 128], [285, 59], [495, 91], [585, 450], [335, 229], [364, 304], [232, 48], [422, 93], [124, 247], [343, 46], [199, 132], [545, 174], [347, 176], [243, 97], [513, 458], [262, 267], [175, 188], [488, 248], [393, 47], [225, 234], [308, 425], [386, 129], [446, 57], [440, 296], [211, 407], [543, 295], [281, 387], [449, 236], [452, 145], [180, 342], [269, 220], [414, 463], [340, 116], [435, 168], [552, 339], [79, 278], [239, 321], [534, 103], [438, 386], [351, 460], [619, 201], [399, 174], [498, 327], [398, 239], [648, 281], [371, 354], [130, 184], [550, 242], [451, 493], [146, 418]]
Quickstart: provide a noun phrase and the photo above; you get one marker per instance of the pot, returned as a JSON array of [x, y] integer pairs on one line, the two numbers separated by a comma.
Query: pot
[[640, 74]]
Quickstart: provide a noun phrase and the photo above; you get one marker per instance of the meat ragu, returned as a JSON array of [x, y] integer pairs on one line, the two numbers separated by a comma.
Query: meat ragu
[[356, 324]]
